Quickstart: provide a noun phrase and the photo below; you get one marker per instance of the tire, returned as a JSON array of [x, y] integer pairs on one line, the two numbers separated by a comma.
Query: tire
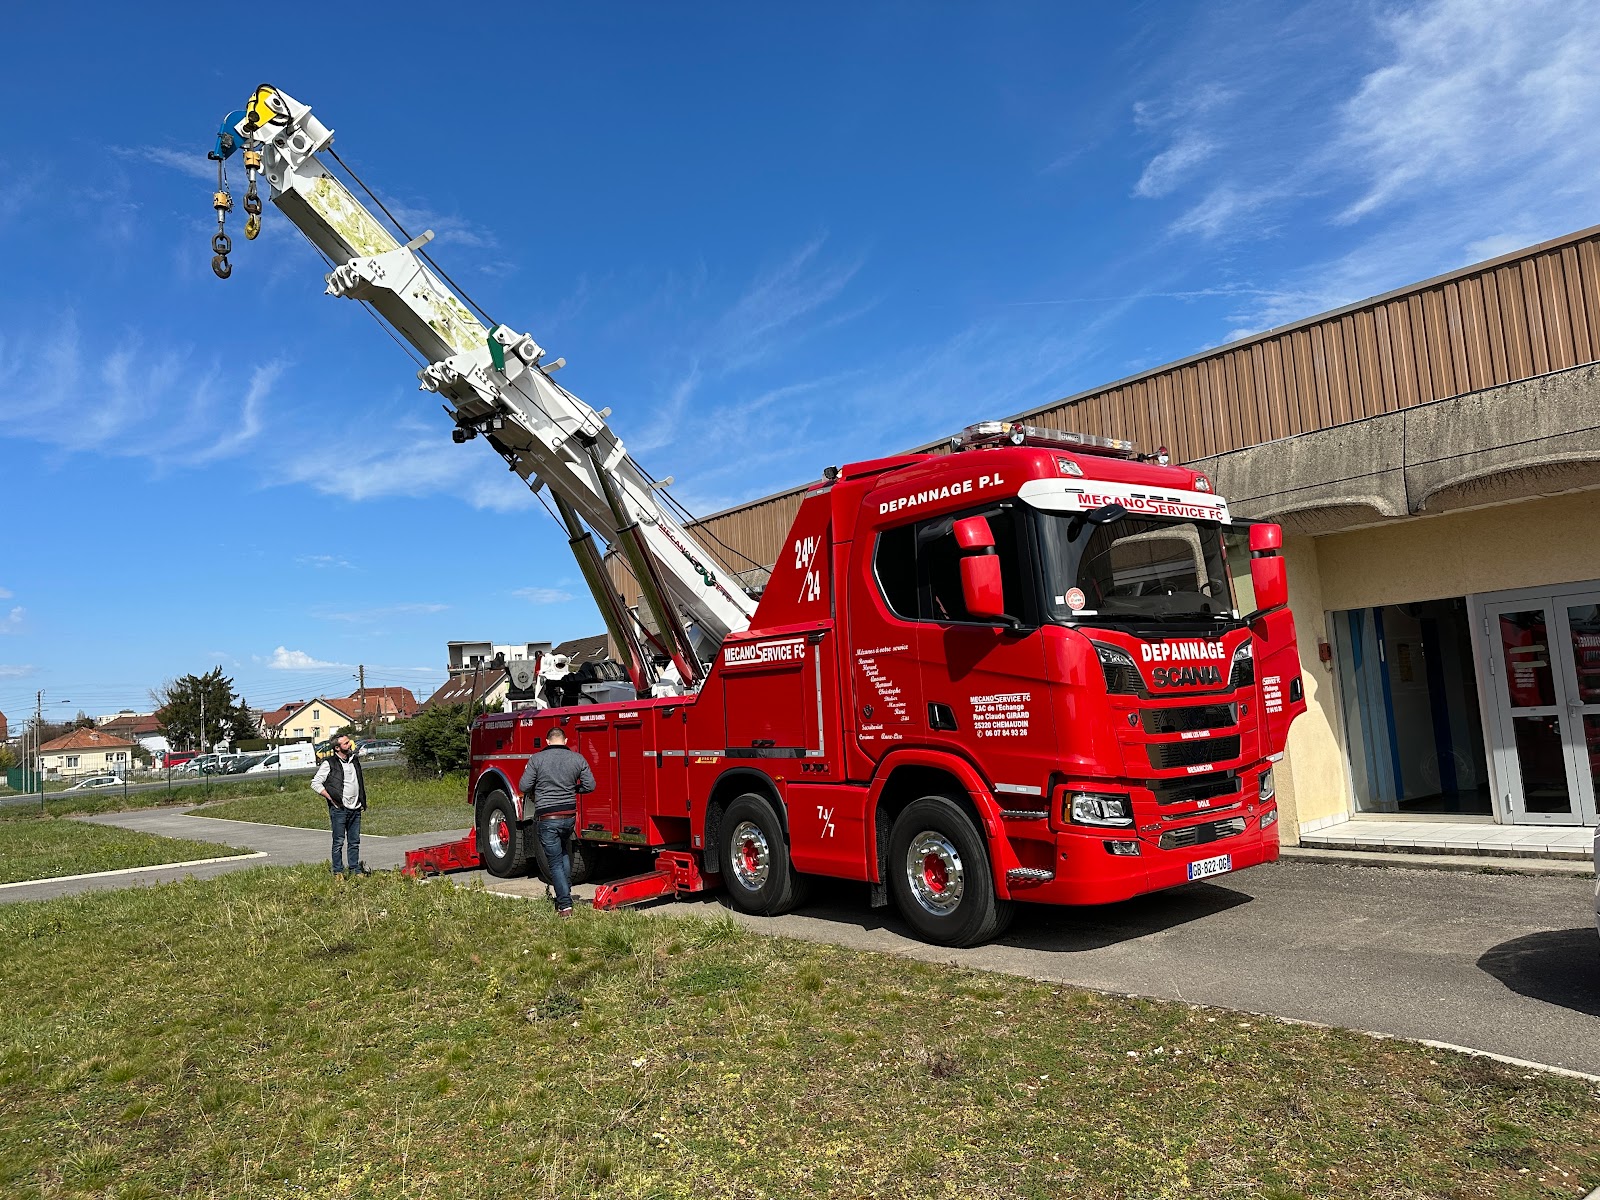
[[939, 875], [581, 861], [502, 842], [755, 859]]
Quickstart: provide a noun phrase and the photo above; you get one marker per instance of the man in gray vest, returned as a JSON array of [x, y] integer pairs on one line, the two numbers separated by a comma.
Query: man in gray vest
[[552, 781], [339, 781]]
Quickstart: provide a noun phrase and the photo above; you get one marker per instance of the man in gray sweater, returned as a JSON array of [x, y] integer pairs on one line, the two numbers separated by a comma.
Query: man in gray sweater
[[552, 782]]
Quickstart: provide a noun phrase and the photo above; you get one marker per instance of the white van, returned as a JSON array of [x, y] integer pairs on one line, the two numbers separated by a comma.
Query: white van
[[286, 758]]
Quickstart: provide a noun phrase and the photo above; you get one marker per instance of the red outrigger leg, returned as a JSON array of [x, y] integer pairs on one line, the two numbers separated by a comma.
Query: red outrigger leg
[[676, 873], [459, 855]]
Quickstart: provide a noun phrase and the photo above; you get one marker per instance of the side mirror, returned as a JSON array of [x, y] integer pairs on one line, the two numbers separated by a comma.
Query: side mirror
[[1267, 574], [981, 589]]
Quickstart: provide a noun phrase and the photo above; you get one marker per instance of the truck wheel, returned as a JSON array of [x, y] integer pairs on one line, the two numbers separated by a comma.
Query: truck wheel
[[755, 859], [939, 875], [581, 860], [502, 843]]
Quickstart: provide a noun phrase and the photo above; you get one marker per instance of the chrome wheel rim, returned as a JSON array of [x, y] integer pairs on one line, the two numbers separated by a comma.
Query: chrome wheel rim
[[935, 874], [751, 855], [499, 836]]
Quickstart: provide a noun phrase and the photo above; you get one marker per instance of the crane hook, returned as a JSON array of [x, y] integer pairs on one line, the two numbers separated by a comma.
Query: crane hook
[[221, 244], [221, 266], [252, 226]]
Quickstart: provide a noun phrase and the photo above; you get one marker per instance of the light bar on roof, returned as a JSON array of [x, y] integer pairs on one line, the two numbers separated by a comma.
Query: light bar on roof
[[999, 433]]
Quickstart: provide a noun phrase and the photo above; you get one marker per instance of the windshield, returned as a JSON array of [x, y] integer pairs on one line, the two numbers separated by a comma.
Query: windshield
[[1134, 568]]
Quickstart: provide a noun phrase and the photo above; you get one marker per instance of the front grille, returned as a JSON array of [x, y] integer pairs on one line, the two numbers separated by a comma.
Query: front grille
[[1122, 679], [1167, 755], [1199, 835], [1200, 787], [1243, 673], [1188, 718]]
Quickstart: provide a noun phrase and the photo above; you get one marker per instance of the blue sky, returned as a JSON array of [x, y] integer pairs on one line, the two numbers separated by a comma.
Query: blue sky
[[769, 239]]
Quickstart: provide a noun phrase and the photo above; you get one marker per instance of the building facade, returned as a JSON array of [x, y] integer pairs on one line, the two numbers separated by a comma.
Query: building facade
[[313, 720], [1433, 455], [84, 752]]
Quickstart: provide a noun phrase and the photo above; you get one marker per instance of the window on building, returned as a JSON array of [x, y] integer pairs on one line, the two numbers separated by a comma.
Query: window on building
[[316, 714], [72, 760]]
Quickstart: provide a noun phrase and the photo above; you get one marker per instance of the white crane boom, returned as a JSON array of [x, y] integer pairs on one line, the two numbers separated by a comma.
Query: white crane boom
[[496, 380]]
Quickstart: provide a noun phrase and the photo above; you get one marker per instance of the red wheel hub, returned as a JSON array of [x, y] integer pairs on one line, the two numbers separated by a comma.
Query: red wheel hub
[[933, 870], [503, 830], [751, 854]]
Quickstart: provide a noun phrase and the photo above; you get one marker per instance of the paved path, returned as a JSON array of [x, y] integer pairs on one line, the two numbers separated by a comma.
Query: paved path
[[1509, 964], [282, 846]]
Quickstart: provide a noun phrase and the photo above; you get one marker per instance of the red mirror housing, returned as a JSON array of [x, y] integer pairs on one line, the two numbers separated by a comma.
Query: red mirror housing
[[981, 590], [1266, 537], [973, 533], [1271, 583]]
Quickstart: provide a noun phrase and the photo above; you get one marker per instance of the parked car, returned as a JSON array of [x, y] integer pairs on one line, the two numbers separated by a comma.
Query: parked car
[[95, 781], [379, 748], [288, 758], [238, 764]]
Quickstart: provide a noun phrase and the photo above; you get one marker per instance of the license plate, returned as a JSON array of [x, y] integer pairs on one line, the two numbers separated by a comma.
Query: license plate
[[1207, 867]]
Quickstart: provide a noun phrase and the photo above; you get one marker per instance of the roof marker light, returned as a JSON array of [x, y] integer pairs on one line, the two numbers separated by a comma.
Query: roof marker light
[[1162, 456]]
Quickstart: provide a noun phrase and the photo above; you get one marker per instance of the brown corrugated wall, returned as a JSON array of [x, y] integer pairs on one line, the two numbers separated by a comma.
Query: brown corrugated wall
[[1514, 317]]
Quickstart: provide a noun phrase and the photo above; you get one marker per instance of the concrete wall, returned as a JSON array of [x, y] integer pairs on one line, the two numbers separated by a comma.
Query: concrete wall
[[1311, 778], [1528, 544]]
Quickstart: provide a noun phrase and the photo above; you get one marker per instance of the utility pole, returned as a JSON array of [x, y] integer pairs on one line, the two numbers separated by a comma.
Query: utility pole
[[361, 690], [38, 741]]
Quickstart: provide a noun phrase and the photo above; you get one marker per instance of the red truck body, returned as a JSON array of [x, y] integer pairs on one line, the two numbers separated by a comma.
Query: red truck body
[[1110, 733]]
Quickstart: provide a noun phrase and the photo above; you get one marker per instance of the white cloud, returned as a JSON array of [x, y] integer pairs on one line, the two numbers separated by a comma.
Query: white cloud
[[1166, 170], [4, 594], [364, 615], [323, 561], [15, 671], [124, 397], [190, 162], [1473, 89], [407, 456], [12, 621], [543, 595], [298, 660]]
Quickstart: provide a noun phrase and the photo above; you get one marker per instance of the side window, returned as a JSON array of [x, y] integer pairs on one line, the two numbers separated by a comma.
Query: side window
[[919, 568], [895, 562]]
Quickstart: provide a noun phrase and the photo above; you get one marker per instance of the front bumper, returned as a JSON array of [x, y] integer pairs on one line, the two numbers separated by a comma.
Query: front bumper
[[1086, 872]]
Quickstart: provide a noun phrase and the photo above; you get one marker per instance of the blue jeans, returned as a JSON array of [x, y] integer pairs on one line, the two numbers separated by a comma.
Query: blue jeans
[[346, 826], [553, 835]]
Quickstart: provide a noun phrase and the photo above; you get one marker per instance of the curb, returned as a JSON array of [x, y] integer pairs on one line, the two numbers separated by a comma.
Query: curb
[[193, 862], [1474, 863]]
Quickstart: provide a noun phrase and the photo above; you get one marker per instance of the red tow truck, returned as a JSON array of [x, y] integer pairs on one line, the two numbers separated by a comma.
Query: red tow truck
[[1036, 669]]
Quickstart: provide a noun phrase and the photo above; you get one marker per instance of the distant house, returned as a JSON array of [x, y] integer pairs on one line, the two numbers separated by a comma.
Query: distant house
[[133, 727], [383, 704], [314, 719], [488, 686], [268, 722], [5, 733], [85, 752], [585, 650]]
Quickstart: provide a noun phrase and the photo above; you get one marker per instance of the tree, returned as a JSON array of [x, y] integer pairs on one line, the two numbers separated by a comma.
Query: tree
[[435, 740], [7, 758], [83, 720], [180, 703]]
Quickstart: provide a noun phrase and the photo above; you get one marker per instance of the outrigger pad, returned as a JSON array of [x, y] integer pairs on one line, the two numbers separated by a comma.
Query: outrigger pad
[[459, 855]]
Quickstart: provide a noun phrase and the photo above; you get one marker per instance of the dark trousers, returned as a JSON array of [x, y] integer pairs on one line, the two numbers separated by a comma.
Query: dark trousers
[[553, 835], [346, 827]]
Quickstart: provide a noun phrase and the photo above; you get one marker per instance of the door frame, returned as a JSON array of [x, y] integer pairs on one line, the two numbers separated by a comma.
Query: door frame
[[1496, 728]]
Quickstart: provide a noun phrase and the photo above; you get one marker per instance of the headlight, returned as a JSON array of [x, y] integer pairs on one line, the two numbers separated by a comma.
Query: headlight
[[1243, 671], [1269, 818], [1122, 677], [1268, 788], [1088, 808]]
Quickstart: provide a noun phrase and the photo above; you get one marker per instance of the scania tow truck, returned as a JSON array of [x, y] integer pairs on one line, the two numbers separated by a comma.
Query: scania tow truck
[[1030, 666]]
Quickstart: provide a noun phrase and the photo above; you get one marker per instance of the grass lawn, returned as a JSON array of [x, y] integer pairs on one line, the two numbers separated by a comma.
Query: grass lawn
[[47, 848], [276, 1033], [397, 805]]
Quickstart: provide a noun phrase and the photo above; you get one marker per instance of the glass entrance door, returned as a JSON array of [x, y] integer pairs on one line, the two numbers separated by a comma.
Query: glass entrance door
[[1548, 706]]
